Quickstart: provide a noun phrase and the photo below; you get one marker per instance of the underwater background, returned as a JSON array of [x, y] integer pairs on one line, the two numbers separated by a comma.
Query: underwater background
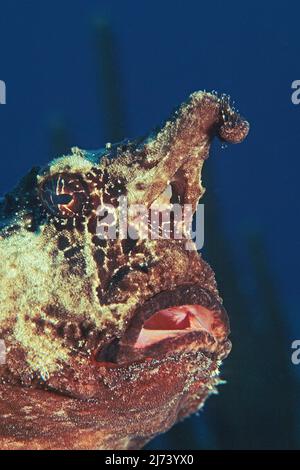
[[83, 73]]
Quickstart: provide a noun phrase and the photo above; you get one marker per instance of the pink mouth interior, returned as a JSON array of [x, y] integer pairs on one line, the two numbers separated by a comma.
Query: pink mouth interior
[[172, 322]]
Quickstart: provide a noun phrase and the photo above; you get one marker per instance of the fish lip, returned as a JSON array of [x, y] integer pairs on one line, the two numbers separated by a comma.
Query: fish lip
[[121, 351]]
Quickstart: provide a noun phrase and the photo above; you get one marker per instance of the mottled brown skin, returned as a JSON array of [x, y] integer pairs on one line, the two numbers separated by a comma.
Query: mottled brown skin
[[72, 306]]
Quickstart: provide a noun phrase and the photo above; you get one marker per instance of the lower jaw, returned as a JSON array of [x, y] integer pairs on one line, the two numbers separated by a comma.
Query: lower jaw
[[128, 406]]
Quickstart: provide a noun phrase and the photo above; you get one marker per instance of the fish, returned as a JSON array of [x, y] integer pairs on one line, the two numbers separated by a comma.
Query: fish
[[110, 336]]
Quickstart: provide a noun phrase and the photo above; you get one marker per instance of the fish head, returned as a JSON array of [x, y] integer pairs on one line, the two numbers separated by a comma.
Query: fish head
[[104, 295]]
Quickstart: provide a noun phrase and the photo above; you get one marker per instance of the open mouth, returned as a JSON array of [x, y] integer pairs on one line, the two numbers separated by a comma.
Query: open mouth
[[172, 322], [184, 319]]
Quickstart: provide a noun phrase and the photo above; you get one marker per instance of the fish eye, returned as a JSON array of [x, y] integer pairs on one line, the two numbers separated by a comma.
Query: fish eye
[[61, 199], [63, 195]]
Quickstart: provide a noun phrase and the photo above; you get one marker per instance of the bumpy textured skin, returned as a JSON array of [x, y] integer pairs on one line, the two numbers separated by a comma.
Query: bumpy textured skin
[[71, 305]]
